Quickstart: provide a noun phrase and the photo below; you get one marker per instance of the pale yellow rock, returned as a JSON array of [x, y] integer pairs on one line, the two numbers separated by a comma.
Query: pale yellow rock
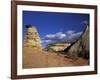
[[32, 38]]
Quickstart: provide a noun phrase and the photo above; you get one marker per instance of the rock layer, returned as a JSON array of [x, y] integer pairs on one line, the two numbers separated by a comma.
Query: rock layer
[[80, 48]]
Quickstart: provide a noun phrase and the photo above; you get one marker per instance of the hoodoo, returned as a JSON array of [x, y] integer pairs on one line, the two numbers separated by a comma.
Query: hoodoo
[[32, 38]]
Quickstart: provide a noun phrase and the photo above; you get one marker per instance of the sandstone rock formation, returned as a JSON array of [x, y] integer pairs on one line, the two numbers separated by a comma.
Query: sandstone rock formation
[[56, 47], [32, 38], [79, 48]]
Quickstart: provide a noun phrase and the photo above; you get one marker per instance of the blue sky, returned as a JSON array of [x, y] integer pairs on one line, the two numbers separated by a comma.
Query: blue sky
[[55, 26]]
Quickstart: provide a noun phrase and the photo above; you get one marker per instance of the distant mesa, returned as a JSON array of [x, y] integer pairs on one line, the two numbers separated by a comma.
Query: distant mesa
[[56, 47]]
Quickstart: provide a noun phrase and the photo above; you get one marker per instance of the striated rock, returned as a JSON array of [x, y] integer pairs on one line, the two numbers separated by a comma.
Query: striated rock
[[79, 48], [32, 38], [56, 47]]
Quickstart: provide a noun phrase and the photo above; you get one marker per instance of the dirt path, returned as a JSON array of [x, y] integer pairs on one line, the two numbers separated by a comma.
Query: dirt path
[[33, 58]]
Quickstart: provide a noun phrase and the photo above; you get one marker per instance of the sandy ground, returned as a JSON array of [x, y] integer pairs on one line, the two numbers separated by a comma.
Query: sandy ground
[[34, 58]]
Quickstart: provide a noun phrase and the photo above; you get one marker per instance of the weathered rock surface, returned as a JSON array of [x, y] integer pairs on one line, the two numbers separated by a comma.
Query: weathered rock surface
[[32, 38], [56, 47], [80, 48]]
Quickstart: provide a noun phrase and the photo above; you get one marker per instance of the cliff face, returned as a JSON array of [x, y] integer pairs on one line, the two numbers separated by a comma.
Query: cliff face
[[80, 48], [32, 38]]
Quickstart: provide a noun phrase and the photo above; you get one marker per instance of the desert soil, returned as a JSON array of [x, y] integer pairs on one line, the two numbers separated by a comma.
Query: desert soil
[[34, 58]]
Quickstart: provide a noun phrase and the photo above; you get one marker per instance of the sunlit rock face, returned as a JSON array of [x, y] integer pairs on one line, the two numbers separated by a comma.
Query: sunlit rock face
[[32, 38], [56, 47]]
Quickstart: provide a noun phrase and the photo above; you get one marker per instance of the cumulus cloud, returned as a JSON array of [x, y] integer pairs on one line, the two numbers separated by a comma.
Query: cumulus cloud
[[46, 41], [70, 32], [56, 36], [68, 36]]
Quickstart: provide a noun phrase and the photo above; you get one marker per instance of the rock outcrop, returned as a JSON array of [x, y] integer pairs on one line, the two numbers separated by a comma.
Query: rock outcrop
[[56, 47], [32, 38], [79, 48]]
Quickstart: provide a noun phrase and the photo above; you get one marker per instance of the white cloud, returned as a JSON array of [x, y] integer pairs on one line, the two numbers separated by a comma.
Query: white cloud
[[68, 36], [58, 35], [50, 36], [73, 36], [46, 41], [70, 32]]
